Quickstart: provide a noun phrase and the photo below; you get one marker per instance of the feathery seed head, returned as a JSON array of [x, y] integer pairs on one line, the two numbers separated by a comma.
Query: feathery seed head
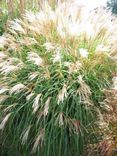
[[114, 83], [35, 58], [3, 90], [46, 107], [36, 104], [83, 52], [38, 140], [33, 75], [57, 56], [17, 88], [62, 94], [3, 98], [2, 41], [24, 136], [16, 25], [4, 121], [49, 46], [28, 97]]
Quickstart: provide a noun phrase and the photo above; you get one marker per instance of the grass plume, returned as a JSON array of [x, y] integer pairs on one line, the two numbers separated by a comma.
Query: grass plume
[[55, 65]]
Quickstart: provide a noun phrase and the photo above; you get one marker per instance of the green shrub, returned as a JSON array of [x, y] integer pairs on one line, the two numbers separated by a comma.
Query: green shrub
[[54, 67]]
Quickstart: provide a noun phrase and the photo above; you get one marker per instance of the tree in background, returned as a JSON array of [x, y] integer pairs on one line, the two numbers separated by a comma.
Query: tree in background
[[112, 4]]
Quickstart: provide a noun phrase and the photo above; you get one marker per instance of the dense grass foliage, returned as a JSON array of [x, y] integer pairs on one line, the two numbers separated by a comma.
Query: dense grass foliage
[[3, 21], [54, 67]]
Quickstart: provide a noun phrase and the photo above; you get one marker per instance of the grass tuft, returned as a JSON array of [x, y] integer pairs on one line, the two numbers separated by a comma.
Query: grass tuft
[[54, 67]]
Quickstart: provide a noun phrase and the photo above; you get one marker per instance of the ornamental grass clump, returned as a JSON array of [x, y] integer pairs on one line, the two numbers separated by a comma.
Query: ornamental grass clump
[[54, 67]]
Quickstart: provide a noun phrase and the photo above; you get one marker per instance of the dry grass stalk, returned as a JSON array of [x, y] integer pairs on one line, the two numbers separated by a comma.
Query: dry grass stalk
[[22, 6], [10, 4]]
